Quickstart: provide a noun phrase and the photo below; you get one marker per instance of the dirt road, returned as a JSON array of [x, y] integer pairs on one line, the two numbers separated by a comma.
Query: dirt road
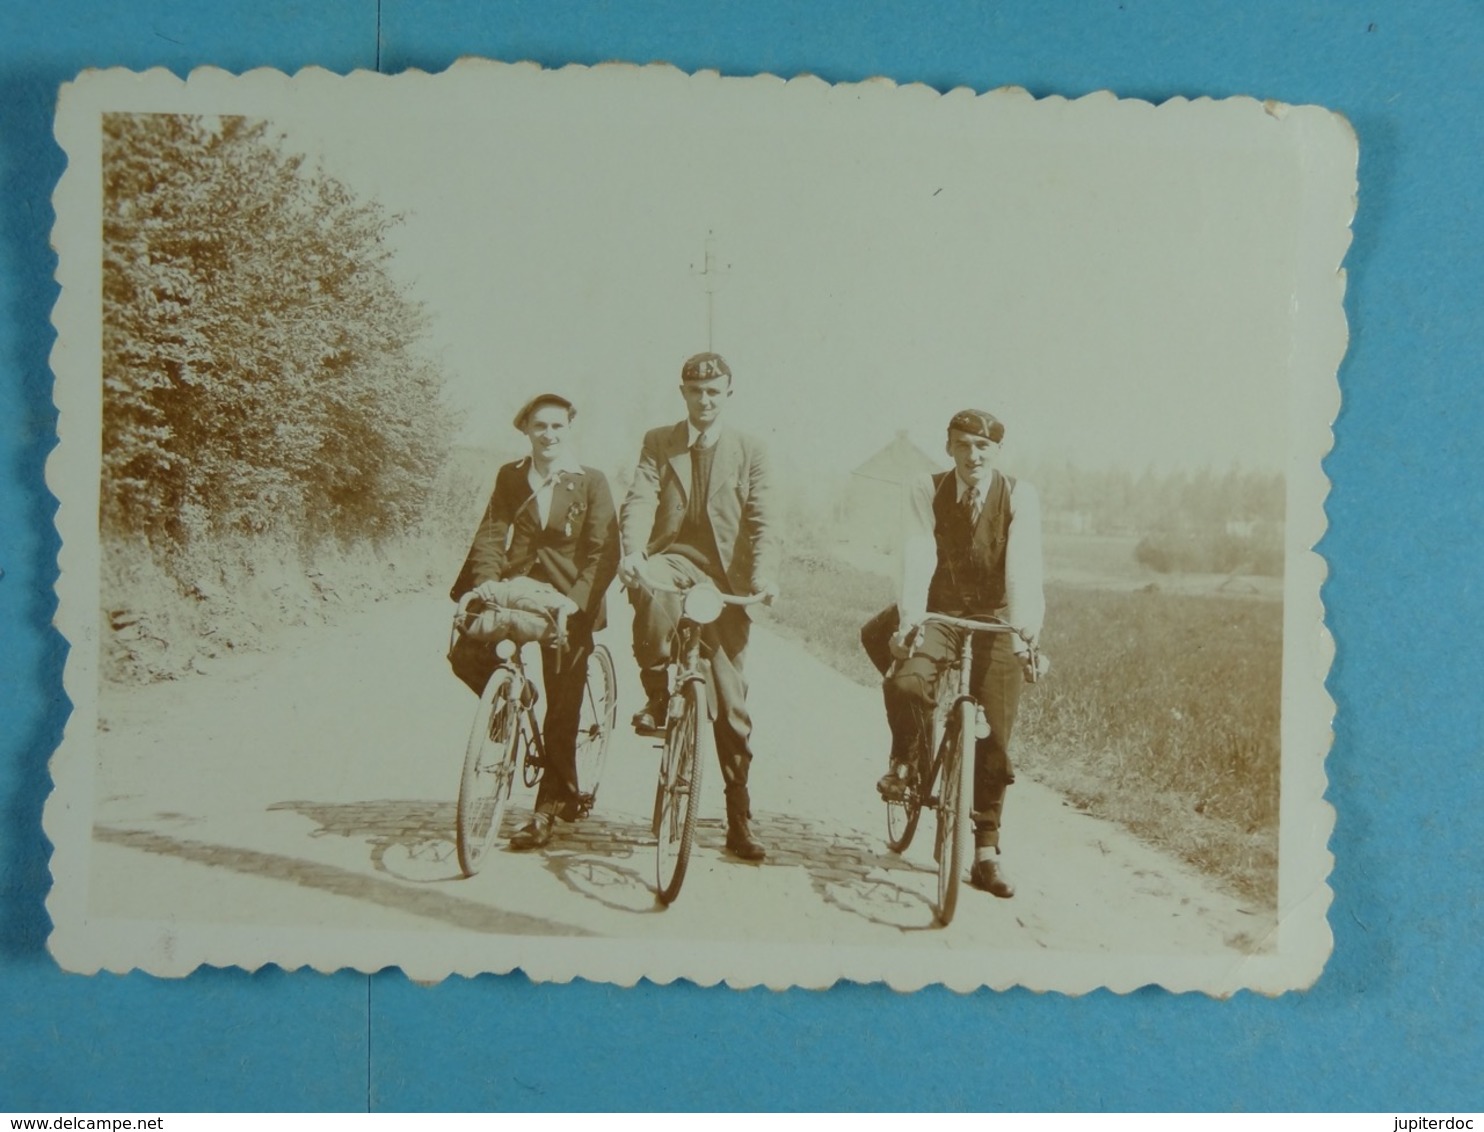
[[315, 786]]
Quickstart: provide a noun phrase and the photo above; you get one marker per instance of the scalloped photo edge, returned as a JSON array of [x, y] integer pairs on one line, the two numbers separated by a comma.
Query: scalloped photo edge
[[297, 314]]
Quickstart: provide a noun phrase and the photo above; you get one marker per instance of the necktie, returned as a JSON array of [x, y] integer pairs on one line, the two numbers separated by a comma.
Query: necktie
[[972, 504]]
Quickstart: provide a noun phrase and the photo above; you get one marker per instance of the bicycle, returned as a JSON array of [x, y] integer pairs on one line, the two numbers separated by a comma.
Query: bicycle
[[688, 741], [960, 719], [506, 734]]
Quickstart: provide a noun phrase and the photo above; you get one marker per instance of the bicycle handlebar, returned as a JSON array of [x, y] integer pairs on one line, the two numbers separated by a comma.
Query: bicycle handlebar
[[1036, 662], [727, 599], [972, 625]]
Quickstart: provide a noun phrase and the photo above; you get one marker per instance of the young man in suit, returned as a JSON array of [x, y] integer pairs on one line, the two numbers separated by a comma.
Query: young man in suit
[[550, 519], [973, 548], [701, 509]]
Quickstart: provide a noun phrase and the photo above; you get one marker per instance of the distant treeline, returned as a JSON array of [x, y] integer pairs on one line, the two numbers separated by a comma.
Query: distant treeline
[[259, 369], [1188, 522], [1121, 502]]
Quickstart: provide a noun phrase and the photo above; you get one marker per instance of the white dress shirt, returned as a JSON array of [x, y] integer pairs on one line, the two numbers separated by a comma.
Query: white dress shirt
[[542, 488], [707, 436], [1025, 599]]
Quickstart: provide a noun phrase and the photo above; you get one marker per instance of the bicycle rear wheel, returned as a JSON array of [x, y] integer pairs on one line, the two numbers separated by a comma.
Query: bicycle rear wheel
[[957, 758], [595, 725], [679, 793], [489, 771]]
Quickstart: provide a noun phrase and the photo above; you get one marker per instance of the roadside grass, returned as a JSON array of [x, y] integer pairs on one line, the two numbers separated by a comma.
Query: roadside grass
[[169, 611], [167, 616], [1161, 711]]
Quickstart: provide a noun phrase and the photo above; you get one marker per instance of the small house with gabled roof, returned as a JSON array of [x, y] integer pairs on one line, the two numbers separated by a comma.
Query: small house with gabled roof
[[876, 495]]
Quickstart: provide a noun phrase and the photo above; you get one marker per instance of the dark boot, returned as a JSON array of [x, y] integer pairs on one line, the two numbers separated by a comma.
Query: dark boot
[[740, 843], [988, 875], [650, 720]]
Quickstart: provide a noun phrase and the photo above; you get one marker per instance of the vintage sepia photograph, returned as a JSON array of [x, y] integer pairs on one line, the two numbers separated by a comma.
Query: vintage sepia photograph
[[613, 523]]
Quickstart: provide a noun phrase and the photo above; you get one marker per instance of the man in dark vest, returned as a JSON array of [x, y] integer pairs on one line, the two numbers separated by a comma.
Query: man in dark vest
[[973, 548], [701, 509], [550, 519]]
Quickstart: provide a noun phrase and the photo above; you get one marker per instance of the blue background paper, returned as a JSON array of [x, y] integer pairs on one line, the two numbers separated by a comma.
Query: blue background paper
[[1395, 1022]]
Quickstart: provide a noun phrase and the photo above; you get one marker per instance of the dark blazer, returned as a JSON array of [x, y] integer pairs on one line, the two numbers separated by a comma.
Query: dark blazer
[[576, 550], [741, 503]]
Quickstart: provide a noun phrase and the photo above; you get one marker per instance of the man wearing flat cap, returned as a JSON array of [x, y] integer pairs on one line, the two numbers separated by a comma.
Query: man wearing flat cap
[[973, 548], [701, 509], [553, 520]]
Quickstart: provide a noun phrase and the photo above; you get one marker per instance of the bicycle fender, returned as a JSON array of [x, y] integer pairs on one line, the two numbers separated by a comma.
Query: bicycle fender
[[713, 704]]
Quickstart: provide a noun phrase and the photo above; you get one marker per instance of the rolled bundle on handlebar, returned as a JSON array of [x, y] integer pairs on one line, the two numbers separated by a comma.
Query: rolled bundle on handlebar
[[518, 609]]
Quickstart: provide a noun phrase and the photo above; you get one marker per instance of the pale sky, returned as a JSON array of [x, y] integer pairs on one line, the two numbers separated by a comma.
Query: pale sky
[[1114, 281]]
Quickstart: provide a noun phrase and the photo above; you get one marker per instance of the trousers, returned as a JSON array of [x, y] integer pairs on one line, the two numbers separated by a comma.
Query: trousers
[[564, 672], [910, 689], [723, 642]]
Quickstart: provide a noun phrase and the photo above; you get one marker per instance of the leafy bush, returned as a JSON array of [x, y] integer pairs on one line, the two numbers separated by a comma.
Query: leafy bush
[[258, 363]]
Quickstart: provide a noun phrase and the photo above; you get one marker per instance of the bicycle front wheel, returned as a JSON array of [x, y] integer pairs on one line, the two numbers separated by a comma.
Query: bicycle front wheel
[[489, 770], [679, 795], [901, 818], [595, 725], [953, 828]]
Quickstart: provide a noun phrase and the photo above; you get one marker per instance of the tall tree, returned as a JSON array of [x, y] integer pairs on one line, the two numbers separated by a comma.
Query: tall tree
[[259, 361]]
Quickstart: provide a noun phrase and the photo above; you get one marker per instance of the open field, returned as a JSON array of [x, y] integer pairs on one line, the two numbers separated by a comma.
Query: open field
[[1161, 711], [1109, 562], [1105, 562]]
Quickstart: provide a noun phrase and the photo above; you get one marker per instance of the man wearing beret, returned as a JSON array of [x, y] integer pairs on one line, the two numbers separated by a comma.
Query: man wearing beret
[[973, 548], [701, 509], [553, 520]]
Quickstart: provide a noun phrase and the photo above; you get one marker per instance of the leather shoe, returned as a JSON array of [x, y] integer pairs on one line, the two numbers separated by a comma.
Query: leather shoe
[[987, 876], [740, 843], [893, 785], [535, 833], [651, 721]]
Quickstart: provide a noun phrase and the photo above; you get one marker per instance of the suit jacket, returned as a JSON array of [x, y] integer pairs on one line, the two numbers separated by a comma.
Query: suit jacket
[[576, 549], [740, 504]]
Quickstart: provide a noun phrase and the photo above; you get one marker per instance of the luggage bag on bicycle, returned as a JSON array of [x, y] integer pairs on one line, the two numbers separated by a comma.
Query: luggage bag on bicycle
[[518, 609]]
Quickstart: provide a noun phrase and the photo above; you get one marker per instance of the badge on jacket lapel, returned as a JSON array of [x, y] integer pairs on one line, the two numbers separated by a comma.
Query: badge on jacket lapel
[[574, 509]]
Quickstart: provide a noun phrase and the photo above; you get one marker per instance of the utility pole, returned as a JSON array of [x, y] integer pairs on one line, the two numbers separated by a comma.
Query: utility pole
[[711, 273]]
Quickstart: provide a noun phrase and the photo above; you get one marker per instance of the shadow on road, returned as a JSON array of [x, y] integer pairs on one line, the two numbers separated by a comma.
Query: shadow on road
[[591, 858], [429, 903], [850, 870], [610, 860], [409, 840]]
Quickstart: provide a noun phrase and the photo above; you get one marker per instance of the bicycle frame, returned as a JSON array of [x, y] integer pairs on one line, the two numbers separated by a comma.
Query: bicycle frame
[[688, 740], [964, 662], [530, 743], [701, 605], [952, 764], [507, 739]]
